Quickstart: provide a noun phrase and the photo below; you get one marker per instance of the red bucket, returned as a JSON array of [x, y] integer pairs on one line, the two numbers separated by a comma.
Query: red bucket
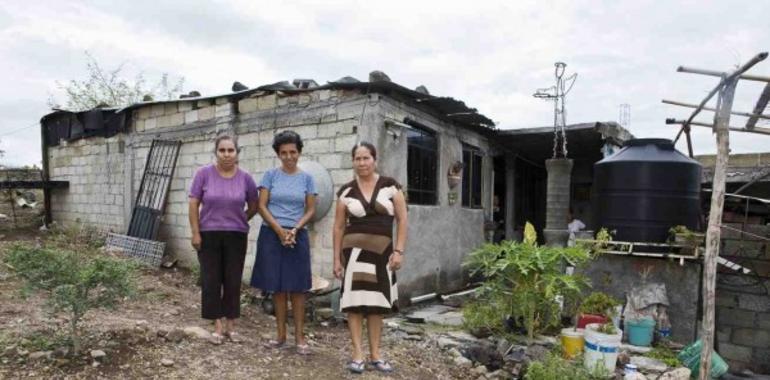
[[590, 318]]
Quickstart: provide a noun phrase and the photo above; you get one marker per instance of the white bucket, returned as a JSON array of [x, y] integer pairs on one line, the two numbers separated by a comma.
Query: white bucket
[[601, 348]]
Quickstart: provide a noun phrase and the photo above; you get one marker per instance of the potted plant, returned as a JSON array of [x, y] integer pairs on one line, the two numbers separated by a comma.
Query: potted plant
[[602, 345], [598, 307], [691, 240]]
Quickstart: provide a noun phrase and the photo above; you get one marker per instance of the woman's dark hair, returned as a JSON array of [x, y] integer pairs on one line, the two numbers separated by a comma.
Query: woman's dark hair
[[287, 137], [369, 146], [226, 137]]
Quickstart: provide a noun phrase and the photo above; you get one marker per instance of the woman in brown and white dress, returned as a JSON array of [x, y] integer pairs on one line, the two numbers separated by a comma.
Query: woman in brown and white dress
[[366, 255]]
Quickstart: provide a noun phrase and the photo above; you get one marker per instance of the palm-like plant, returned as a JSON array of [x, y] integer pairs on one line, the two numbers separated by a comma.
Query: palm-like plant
[[524, 279]]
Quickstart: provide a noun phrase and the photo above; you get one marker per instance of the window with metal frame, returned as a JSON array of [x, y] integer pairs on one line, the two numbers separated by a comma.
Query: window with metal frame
[[472, 176], [421, 165]]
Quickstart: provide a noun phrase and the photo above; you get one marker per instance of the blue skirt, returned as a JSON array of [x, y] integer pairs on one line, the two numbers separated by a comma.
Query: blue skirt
[[280, 269]]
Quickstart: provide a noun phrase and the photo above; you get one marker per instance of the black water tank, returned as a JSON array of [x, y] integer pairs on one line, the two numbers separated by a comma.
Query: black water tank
[[646, 188]]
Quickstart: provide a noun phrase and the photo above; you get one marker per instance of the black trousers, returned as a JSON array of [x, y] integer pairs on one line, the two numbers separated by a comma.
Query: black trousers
[[221, 259]]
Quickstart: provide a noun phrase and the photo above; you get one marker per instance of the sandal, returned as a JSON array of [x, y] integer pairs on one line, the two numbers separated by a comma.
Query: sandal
[[216, 339], [381, 366], [234, 337], [303, 349], [356, 366], [274, 344]]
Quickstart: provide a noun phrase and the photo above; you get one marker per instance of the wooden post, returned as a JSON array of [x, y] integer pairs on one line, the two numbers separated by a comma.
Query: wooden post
[[713, 232]]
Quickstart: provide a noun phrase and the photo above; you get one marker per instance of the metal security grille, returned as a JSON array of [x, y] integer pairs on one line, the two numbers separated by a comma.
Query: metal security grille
[[153, 191]]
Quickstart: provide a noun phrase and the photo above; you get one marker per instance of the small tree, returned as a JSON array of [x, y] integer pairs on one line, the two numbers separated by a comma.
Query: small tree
[[109, 87], [75, 282], [524, 280]]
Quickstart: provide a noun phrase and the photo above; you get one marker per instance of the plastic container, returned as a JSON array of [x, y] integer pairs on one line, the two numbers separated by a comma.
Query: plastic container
[[601, 349], [572, 342], [690, 358], [585, 319], [640, 331]]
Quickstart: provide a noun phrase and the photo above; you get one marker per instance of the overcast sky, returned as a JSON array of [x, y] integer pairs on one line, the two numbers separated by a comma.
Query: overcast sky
[[490, 54]]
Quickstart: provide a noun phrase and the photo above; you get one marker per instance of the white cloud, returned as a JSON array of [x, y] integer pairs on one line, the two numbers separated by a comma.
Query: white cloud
[[490, 54]]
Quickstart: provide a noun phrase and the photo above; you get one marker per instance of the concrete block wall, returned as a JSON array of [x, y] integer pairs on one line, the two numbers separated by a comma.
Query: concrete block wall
[[743, 300], [326, 120], [94, 168], [441, 235], [330, 122]]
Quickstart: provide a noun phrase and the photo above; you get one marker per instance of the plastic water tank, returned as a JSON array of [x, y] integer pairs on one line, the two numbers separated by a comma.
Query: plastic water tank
[[645, 189]]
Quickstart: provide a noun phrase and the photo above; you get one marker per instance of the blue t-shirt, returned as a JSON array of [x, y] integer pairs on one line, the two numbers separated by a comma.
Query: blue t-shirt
[[287, 194]]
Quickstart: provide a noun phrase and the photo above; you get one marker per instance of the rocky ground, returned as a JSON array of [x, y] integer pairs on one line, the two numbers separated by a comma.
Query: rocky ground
[[158, 334]]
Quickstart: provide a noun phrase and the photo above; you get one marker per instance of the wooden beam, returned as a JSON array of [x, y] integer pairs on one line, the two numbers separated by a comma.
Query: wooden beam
[[760, 107], [713, 232], [692, 70], [758, 115], [757, 130], [725, 79]]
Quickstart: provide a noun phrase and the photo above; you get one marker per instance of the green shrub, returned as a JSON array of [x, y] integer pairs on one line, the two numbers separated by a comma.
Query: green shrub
[[75, 282], [555, 367], [666, 355], [524, 279], [599, 303]]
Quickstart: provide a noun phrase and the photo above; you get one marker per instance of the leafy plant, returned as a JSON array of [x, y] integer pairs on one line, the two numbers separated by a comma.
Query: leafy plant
[[666, 355], [555, 367], [524, 279], [682, 233], [608, 328], [75, 282], [600, 304]]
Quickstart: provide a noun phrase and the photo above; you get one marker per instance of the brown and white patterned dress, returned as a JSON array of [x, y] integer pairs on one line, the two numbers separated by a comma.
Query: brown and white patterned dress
[[368, 285]]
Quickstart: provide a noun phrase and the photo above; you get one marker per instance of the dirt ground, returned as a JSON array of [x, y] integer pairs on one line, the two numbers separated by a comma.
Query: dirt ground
[[168, 300]]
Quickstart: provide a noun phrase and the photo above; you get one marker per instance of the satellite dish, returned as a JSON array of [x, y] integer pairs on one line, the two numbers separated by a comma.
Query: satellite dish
[[323, 184]]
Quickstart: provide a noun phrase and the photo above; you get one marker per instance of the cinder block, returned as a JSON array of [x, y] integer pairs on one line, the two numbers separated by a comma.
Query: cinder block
[[190, 116], [750, 337], [143, 112], [317, 146], [204, 103], [206, 113], [157, 110], [345, 143], [754, 302], [177, 119], [221, 100], [224, 110], [266, 102], [185, 106], [736, 317], [170, 108], [150, 124], [247, 105]]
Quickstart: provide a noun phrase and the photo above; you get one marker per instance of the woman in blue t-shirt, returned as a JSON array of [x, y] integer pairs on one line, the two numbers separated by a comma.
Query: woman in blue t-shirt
[[282, 266]]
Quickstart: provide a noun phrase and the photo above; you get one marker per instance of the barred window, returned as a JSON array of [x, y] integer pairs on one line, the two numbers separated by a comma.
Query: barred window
[[472, 159], [421, 165]]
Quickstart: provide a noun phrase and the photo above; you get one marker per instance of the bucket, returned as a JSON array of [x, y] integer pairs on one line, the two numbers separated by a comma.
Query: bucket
[[690, 358], [590, 318], [572, 342], [601, 349], [640, 331]]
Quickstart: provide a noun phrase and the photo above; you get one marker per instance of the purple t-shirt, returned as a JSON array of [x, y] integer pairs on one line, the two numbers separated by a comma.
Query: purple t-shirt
[[222, 199]]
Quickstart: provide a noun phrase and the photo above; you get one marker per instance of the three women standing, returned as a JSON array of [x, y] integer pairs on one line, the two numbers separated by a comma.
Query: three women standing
[[366, 255], [219, 224], [282, 266]]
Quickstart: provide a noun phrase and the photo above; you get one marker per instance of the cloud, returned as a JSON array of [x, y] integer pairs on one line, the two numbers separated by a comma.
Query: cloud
[[490, 54]]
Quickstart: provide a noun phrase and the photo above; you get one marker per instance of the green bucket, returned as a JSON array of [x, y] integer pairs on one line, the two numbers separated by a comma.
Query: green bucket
[[690, 357]]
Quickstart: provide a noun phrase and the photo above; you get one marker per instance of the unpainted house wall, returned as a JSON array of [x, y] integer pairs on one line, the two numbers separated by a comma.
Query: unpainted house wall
[[326, 120], [94, 168], [330, 122], [442, 235], [743, 300]]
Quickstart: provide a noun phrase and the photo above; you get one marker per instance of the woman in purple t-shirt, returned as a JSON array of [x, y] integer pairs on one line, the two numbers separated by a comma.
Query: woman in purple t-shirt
[[219, 224]]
